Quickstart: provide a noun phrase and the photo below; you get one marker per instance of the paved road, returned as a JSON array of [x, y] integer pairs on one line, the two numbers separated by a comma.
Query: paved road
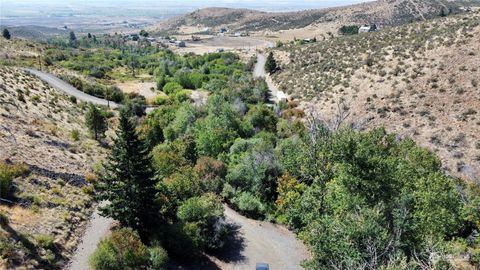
[[69, 89], [259, 72]]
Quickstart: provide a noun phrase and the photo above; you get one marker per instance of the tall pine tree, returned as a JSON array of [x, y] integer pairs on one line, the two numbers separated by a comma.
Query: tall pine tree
[[128, 185], [271, 64]]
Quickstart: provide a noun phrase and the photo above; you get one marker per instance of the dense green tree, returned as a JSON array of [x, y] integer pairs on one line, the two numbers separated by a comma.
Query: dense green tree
[[161, 81], [215, 133], [271, 64], [254, 168], [96, 121], [128, 184], [133, 63], [205, 213], [349, 30], [183, 122], [154, 135], [6, 33], [261, 118], [374, 199], [172, 88]]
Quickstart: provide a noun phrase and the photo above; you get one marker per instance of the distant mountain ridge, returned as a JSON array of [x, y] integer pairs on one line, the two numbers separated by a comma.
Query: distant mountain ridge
[[382, 12]]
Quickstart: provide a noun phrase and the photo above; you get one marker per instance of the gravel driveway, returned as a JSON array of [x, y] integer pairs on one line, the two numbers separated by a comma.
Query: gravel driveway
[[255, 241]]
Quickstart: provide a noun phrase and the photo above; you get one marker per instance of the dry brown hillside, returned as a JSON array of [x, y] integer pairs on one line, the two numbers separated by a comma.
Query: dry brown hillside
[[420, 80], [381, 12], [44, 141]]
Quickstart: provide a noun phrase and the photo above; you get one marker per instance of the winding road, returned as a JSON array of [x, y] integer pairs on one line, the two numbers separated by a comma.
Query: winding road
[[63, 86]]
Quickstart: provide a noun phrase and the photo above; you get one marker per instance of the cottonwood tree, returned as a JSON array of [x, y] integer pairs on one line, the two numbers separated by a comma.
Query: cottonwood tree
[[128, 184], [96, 122]]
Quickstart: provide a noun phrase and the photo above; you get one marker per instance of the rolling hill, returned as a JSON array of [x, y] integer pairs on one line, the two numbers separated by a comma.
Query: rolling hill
[[45, 147], [381, 12], [419, 80]]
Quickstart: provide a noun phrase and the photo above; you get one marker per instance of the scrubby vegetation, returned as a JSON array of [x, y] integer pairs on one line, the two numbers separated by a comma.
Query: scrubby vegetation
[[45, 153], [357, 199], [408, 79], [349, 30]]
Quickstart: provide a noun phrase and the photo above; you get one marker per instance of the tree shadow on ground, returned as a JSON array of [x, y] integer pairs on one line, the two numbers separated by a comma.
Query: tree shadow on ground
[[234, 246], [230, 253]]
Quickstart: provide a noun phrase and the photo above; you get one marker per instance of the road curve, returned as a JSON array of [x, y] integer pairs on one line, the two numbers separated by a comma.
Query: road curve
[[259, 72], [61, 85], [265, 242]]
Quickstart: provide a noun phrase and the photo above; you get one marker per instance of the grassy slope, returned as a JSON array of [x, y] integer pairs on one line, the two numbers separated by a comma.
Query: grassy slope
[[50, 202], [419, 80]]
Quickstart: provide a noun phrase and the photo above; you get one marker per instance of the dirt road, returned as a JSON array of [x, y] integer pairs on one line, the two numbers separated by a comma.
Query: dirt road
[[97, 228], [253, 241], [265, 242], [259, 72]]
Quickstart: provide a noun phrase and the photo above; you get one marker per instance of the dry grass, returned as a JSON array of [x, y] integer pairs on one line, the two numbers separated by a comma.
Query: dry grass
[[36, 122]]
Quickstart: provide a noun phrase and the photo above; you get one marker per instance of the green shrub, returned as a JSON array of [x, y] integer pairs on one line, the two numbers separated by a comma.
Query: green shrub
[[180, 242], [349, 30], [475, 255], [248, 204], [6, 179], [181, 96], [45, 241], [158, 258], [6, 247], [161, 100], [123, 249], [75, 134], [171, 88], [7, 173], [204, 221]]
